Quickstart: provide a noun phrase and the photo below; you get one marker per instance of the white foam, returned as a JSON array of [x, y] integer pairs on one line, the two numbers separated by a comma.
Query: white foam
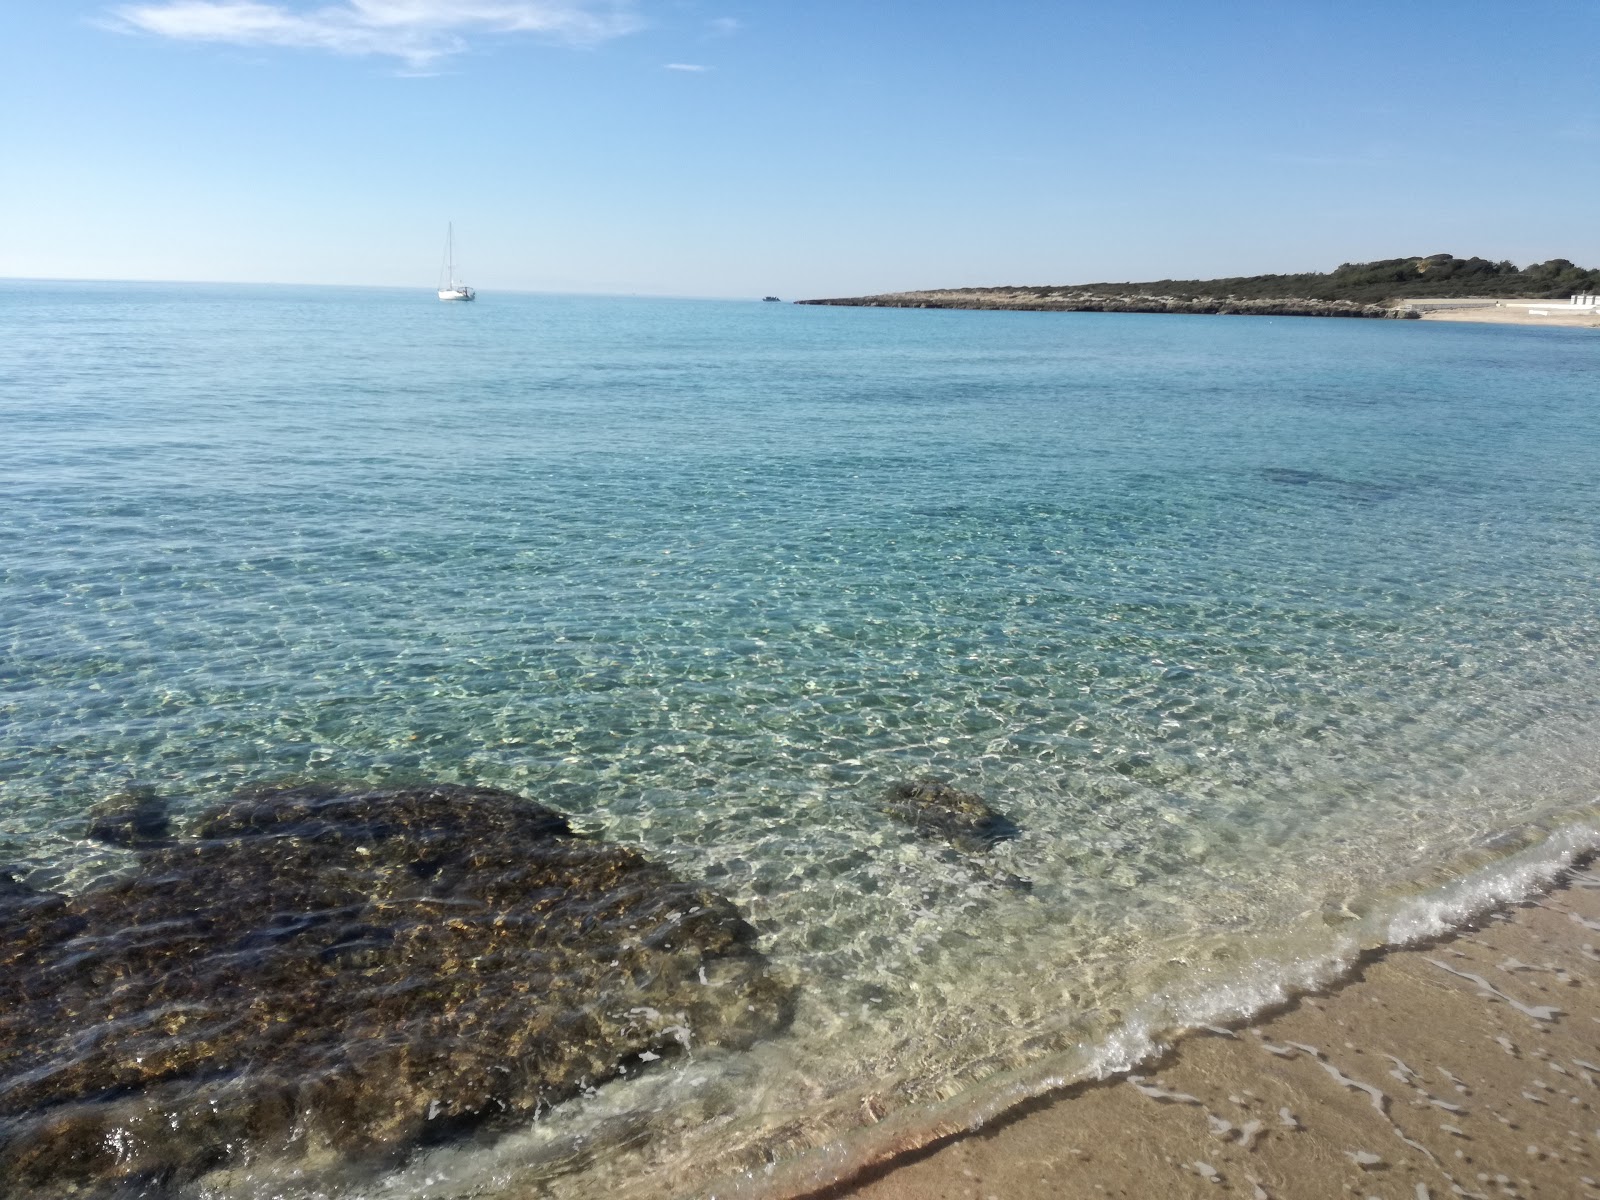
[[1152, 1026], [1506, 882]]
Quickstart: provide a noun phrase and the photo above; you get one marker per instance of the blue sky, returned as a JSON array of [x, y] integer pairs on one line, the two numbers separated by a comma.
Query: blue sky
[[818, 147]]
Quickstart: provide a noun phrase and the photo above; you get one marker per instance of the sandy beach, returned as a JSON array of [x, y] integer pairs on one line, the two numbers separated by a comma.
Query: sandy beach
[[1469, 1067], [1505, 312]]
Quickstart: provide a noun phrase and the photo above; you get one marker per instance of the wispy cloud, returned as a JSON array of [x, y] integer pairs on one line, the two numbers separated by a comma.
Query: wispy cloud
[[723, 26], [685, 67], [417, 31]]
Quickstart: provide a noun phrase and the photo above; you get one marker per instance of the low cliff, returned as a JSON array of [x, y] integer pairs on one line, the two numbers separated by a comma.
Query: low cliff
[[1057, 300]]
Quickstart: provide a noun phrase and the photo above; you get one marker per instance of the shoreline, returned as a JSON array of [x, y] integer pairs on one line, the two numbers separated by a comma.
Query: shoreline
[[1046, 300], [1411, 1077], [1495, 311]]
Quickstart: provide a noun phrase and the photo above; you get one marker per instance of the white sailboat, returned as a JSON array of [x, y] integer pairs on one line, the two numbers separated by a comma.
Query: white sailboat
[[453, 288]]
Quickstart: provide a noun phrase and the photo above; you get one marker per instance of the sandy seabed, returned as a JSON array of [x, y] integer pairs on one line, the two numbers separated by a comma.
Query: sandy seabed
[[1467, 1067]]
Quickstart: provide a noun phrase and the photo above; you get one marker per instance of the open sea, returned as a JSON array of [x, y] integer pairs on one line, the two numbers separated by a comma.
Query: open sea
[[1277, 638]]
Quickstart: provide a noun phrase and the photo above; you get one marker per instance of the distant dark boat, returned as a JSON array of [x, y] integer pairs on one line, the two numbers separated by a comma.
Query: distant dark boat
[[769, 299]]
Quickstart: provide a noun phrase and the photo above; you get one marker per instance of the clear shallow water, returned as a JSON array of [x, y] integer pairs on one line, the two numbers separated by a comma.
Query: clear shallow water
[[1257, 627]]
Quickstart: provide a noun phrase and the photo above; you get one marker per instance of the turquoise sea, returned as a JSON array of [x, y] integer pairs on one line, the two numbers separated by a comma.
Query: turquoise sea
[[1278, 638]]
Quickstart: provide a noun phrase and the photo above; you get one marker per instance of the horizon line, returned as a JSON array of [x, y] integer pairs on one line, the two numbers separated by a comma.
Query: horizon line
[[385, 287]]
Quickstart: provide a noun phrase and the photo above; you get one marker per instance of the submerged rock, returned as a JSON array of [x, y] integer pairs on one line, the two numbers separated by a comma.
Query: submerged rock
[[136, 819], [28, 919], [964, 819], [319, 970]]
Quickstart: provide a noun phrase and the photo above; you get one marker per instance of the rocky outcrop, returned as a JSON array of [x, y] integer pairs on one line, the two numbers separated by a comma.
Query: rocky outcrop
[[964, 819], [353, 971], [1066, 300]]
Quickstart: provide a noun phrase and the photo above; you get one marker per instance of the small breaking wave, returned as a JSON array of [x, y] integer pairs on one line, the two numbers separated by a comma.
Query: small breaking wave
[[1161, 1020]]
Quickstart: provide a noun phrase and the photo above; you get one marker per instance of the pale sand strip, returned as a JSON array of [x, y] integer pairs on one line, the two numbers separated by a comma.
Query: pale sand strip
[[1412, 1080], [1497, 312]]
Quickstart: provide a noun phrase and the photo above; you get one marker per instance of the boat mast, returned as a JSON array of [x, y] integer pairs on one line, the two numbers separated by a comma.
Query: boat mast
[[451, 288]]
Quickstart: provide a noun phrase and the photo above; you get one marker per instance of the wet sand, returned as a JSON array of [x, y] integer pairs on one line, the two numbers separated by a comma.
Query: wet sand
[[1438, 1071]]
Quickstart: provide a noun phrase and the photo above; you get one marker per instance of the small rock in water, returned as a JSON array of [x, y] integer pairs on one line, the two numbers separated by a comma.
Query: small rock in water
[[136, 819], [1364, 1159], [346, 970], [963, 819]]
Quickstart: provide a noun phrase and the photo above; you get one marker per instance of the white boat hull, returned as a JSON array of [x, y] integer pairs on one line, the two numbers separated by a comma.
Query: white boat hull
[[457, 293]]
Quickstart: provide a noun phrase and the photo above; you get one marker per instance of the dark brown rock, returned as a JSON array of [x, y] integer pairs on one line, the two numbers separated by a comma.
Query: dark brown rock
[[358, 971], [136, 818], [964, 819]]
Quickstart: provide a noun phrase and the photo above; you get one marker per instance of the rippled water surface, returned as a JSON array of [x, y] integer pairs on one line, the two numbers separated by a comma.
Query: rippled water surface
[[1256, 627]]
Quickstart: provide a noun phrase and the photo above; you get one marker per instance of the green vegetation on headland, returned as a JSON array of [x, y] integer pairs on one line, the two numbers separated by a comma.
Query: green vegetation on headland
[[1353, 290], [1384, 282]]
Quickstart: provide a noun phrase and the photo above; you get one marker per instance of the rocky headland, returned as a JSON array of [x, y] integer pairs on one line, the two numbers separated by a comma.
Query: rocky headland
[[1366, 289], [1054, 300]]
